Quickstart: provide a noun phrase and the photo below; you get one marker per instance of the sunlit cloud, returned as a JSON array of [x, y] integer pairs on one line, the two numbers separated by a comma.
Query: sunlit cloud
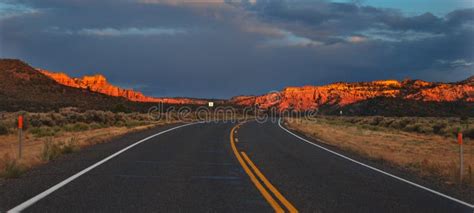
[[357, 39]]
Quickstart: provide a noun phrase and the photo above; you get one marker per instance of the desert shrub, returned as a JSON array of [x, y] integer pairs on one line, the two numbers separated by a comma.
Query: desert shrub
[[41, 119], [430, 168], [71, 117], [419, 127], [424, 128], [469, 133], [77, 127], [386, 122], [364, 121], [70, 146], [119, 117], [119, 123], [354, 120], [109, 118], [451, 131], [410, 127], [438, 127], [134, 123], [3, 129], [75, 117], [68, 127], [95, 116], [68, 110], [400, 123], [46, 120], [96, 126], [370, 127], [58, 119], [11, 167], [376, 120], [35, 121], [44, 131], [51, 150]]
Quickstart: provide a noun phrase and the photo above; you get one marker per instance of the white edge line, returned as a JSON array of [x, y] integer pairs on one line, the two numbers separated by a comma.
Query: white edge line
[[42, 195], [378, 170]]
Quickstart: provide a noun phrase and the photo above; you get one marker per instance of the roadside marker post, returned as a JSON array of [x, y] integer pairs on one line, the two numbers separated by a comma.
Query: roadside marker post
[[461, 166], [20, 135]]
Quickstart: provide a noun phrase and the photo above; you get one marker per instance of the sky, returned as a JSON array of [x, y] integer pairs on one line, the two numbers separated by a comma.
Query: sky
[[224, 48]]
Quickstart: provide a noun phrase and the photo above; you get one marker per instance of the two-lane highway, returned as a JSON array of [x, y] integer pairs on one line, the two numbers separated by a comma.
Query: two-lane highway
[[190, 169], [229, 167], [317, 180]]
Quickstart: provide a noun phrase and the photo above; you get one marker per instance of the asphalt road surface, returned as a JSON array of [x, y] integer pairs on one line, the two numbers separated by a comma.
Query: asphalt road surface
[[216, 167]]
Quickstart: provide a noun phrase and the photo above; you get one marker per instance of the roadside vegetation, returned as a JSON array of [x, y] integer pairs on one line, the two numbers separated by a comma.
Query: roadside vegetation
[[447, 127], [425, 146], [49, 135]]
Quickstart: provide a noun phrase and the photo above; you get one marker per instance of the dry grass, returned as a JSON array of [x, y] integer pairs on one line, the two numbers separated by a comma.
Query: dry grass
[[443, 126], [425, 154], [48, 135], [39, 148]]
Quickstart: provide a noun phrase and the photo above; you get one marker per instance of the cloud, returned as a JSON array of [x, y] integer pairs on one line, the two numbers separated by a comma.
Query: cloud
[[192, 49], [456, 63], [177, 2], [288, 39], [130, 31], [8, 10], [357, 39], [277, 37], [398, 36], [346, 18], [180, 2]]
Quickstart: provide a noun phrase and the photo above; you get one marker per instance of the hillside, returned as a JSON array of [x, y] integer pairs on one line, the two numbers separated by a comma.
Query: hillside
[[377, 97], [24, 88], [98, 83]]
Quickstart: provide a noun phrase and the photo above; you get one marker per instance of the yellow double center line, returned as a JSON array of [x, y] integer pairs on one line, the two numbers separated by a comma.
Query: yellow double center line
[[245, 162]]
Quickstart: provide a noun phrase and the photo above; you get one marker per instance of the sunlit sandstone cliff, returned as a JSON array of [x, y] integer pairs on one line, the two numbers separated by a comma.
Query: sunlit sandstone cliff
[[98, 83], [342, 94], [300, 98]]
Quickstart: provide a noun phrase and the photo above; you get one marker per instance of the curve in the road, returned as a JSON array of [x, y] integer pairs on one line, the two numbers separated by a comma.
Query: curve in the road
[[376, 169], [47, 192], [254, 172]]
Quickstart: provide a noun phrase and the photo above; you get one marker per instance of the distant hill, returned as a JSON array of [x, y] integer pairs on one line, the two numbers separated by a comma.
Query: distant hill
[[98, 83], [24, 88], [388, 97]]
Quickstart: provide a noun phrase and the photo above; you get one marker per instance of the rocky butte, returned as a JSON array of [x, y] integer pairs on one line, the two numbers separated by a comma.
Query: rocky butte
[[98, 83]]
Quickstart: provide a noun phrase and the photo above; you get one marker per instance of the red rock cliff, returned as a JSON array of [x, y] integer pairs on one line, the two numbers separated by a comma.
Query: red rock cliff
[[98, 83], [342, 94]]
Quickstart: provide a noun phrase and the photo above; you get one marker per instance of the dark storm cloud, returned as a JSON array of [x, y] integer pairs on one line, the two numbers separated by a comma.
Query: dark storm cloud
[[390, 44], [221, 50], [350, 17]]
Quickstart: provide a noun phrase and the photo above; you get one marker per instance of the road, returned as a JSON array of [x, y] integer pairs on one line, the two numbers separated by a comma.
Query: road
[[216, 167]]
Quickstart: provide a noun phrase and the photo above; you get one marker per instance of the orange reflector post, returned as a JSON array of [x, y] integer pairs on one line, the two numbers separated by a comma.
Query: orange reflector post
[[20, 122], [460, 137]]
